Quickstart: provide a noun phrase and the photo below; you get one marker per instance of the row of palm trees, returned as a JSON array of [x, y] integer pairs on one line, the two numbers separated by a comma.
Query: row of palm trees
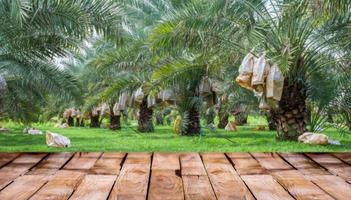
[[170, 44]]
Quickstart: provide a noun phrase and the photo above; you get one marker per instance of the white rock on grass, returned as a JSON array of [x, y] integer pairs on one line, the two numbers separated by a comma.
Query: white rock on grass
[[57, 140], [64, 125], [32, 131], [313, 138]]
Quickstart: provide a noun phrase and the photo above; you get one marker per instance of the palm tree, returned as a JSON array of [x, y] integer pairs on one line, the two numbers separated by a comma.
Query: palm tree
[[285, 31], [32, 35]]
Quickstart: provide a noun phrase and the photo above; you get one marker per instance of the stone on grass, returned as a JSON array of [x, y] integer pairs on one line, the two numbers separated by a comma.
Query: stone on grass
[[313, 138], [231, 126], [57, 140], [32, 131], [64, 125]]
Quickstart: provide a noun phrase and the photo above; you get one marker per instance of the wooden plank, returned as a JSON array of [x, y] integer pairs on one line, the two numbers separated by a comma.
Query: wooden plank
[[303, 164], [94, 187], [225, 181], [61, 186], [245, 164], [165, 161], [346, 157], [196, 183], [333, 165], [133, 179], [5, 158], [23, 187], [83, 161], [108, 164], [298, 186], [197, 188], [166, 182], [18, 167], [192, 164], [271, 161], [335, 186], [264, 187], [51, 164]]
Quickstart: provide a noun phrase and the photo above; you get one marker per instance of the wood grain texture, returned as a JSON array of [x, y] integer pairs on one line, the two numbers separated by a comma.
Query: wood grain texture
[[335, 186], [197, 188], [23, 187], [5, 158], [245, 164], [95, 187], [264, 187], [165, 185], [60, 187], [108, 164], [225, 181], [51, 164], [298, 186], [271, 161], [346, 157], [165, 161], [192, 164], [189, 176], [83, 161], [166, 182], [304, 164], [333, 165], [18, 166], [133, 179]]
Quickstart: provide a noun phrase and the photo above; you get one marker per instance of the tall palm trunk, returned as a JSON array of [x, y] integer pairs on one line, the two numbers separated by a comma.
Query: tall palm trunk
[[94, 120], [145, 117], [291, 117], [193, 122], [70, 121], [115, 120]]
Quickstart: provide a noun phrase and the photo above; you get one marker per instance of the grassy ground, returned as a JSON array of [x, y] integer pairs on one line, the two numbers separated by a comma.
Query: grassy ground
[[126, 140]]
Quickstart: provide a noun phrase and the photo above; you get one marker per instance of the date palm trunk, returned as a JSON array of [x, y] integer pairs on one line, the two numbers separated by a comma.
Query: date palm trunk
[[94, 120], [291, 116], [70, 121], [145, 124], [192, 122], [115, 120]]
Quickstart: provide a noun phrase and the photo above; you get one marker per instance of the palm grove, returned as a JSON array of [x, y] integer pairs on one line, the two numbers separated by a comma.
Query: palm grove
[[177, 58]]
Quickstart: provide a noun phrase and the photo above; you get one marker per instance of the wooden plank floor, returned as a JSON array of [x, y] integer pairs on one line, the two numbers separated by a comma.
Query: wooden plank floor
[[173, 176]]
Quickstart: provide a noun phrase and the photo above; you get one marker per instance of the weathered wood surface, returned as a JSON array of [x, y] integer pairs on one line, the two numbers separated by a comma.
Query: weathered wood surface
[[108, 163], [299, 186], [95, 187], [333, 165], [265, 187], [166, 181], [189, 176], [61, 186], [83, 161], [225, 181], [18, 167], [133, 179]]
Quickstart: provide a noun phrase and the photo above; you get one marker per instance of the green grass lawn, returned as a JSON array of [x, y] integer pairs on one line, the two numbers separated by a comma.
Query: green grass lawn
[[163, 139]]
